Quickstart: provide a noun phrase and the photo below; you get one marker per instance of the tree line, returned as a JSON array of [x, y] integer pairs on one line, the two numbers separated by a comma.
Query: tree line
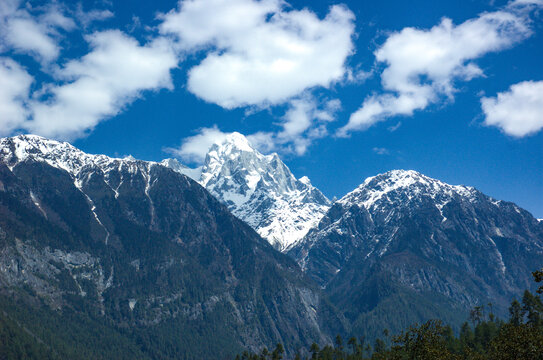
[[483, 337]]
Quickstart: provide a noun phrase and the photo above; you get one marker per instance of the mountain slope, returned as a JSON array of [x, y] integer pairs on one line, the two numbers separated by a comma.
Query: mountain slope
[[146, 252], [407, 247], [260, 190]]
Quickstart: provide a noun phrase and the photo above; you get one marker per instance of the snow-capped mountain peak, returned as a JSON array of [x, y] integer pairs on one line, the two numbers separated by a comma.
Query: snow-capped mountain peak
[[60, 155], [404, 186], [405, 220], [261, 190], [82, 168], [236, 141], [235, 157]]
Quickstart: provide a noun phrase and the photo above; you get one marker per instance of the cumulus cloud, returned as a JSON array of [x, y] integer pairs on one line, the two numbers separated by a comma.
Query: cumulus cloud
[[423, 65], [37, 35], [86, 90], [275, 56], [267, 58], [101, 83], [13, 95], [517, 112]]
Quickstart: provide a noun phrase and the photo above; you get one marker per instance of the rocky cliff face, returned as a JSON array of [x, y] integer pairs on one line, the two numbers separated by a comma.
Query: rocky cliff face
[[401, 239], [260, 190], [145, 247]]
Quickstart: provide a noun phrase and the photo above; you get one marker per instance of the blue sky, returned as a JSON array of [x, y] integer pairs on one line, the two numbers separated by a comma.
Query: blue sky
[[341, 90]]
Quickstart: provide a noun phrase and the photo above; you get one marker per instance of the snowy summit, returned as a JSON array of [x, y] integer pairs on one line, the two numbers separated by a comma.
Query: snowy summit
[[259, 189]]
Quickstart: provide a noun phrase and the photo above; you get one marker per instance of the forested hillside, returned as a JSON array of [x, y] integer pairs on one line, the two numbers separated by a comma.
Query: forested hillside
[[484, 337]]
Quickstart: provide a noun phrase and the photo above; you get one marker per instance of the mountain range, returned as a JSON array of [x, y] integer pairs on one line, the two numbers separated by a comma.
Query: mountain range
[[154, 259]]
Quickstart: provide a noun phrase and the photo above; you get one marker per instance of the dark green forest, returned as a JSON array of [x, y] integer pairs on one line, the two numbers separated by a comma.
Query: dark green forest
[[43, 334], [29, 332], [482, 337]]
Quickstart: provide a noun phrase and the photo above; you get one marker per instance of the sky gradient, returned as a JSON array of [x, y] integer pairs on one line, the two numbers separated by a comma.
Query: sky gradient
[[341, 90]]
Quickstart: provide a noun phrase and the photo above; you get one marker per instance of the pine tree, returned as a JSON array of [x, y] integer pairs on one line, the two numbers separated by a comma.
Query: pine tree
[[466, 336], [532, 308], [380, 346], [353, 343], [277, 353], [515, 310], [476, 315], [538, 277], [314, 351]]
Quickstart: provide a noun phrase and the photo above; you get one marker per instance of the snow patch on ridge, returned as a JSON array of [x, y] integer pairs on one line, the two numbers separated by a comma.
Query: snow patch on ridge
[[37, 203]]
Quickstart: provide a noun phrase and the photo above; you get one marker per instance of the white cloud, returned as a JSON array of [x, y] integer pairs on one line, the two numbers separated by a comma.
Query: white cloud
[[298, 117], [37, 35], [395, 127], [271, 57], [54, 18], [28, 36], [274, 56], [101, 83], [88, 17], [422, 65], [268, 57], [304, 122], [194, 148], [85, 91], [526, 2], [381, 151], [517, 112], [13, 95], [263, 141]]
